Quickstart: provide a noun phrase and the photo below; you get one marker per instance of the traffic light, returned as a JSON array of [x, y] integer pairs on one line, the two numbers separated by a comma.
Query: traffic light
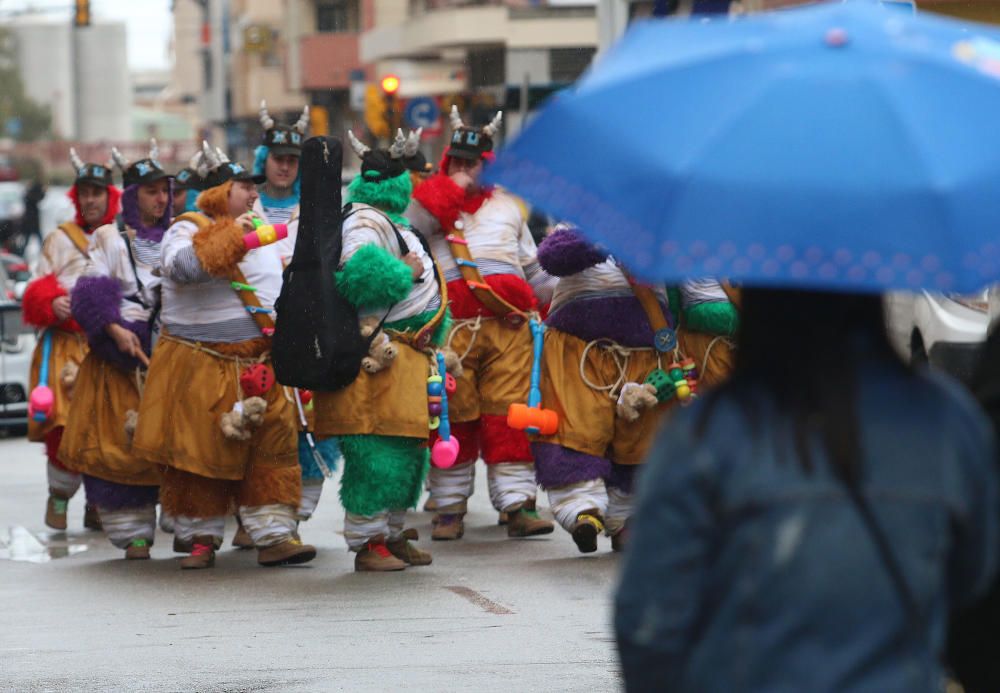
[[390, 84], [375, 112], [81, 14], [319, 120]]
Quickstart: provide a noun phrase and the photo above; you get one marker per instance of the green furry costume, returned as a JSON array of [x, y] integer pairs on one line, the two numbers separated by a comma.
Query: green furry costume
[[383, 472]]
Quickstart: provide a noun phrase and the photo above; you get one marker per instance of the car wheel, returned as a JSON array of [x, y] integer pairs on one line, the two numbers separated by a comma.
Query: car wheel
[[918, 353]]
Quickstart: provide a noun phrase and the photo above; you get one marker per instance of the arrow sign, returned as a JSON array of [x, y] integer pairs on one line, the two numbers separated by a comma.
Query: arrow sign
[[422, 112]]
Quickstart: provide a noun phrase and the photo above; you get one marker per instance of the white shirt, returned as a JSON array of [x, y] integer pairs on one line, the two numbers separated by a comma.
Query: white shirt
[[109, 257], [61, 257], [281, 215], [202, 307], [499, 241], [603, 280], [367, 226]]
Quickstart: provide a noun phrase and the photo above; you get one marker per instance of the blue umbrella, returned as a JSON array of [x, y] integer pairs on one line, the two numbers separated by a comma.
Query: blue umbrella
[[840, 146]]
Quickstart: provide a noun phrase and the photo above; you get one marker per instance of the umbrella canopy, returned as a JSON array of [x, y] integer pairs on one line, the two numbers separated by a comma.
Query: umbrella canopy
[[839, 146]]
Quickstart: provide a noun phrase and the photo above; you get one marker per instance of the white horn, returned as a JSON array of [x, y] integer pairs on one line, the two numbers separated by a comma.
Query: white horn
[[75, 160], [119, 159], [398, 147], [413, 142], [494, 126], [223, 157], [302, 124], [456, 119], [154, 149], [359, 148], [208, 156], [266, 121]]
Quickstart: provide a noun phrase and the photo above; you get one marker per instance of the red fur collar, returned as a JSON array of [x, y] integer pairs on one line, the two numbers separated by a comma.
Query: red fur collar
[[444, 200], [114, 206]]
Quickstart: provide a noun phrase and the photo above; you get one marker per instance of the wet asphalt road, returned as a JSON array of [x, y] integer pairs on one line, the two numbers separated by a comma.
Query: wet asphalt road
[[490, 614]]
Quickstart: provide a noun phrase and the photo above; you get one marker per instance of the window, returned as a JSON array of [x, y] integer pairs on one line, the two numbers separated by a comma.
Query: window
[[337, 16]]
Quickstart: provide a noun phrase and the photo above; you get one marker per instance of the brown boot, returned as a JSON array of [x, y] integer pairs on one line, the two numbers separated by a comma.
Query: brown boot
[[588, 526], [524, 521], [242, 540], [91, 520], [55, 510], [405, 551], [619, 540], [448, 526], [430, 506], [182, 546], [202, 554], [288, 552], [503, 518], [138, 550], [375, 557]]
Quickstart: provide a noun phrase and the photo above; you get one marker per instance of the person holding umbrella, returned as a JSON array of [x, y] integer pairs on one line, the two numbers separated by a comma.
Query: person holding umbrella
[[811, 523]]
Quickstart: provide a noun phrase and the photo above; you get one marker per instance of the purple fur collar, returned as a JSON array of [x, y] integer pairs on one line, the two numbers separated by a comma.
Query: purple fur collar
[[130, 213], [557, 466], [619, 318]]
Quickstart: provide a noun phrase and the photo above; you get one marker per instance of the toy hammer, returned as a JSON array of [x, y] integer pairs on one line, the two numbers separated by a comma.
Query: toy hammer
[[445, 450], [532, 418], [42, 398]]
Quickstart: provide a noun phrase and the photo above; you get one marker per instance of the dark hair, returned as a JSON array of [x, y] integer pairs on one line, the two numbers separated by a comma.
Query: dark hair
[[803, 350]]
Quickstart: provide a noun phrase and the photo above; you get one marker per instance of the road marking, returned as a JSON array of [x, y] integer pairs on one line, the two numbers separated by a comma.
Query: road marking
[[487, 605]]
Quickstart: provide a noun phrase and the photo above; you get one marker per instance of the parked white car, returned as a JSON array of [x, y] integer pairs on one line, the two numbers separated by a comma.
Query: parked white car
[[947, 331], [17, 343]]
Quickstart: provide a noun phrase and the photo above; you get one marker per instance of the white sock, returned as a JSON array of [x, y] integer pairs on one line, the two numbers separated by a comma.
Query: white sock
[[268, 525], [511, 483], [397, 523], [452, 486], [360, 529], [567, 502], [619, 510], [66, 483], [311, 491], [187, 528], [125, 526]]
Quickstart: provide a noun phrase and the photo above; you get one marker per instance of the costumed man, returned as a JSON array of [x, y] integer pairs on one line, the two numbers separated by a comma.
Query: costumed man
[[382, 419], [479, 237], [277, 159], [63, 345], [187, 184], [710, 318], [211, 411], [416, 163], [602, 343], [117, 302]]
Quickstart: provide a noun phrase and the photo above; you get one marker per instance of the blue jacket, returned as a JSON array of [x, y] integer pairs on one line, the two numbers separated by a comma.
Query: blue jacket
[[747, 574]]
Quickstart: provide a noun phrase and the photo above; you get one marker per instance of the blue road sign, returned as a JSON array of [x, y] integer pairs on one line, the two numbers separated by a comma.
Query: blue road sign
[[422, 112]]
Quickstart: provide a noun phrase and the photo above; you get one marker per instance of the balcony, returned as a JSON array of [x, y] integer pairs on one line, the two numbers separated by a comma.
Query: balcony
[[481, 24], [328, 59]]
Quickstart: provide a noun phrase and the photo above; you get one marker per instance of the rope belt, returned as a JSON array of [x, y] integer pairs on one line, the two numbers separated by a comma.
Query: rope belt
[[473, 325], [622, 356]]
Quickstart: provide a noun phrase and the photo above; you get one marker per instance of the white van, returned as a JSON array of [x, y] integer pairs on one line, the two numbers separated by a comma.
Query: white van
[[945, 330]]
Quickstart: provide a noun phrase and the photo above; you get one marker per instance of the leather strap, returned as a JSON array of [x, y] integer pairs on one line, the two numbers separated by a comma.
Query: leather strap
[[482, 291], [664, 338], [651, 306], [733, 294], [422, 338], [77, 235], [260, 315]]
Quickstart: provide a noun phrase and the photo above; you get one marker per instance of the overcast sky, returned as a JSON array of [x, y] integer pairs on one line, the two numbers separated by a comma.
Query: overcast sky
[[148, 24]]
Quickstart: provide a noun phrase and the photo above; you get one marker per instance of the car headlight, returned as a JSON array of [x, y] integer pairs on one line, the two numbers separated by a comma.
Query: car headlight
[[977, 302]]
